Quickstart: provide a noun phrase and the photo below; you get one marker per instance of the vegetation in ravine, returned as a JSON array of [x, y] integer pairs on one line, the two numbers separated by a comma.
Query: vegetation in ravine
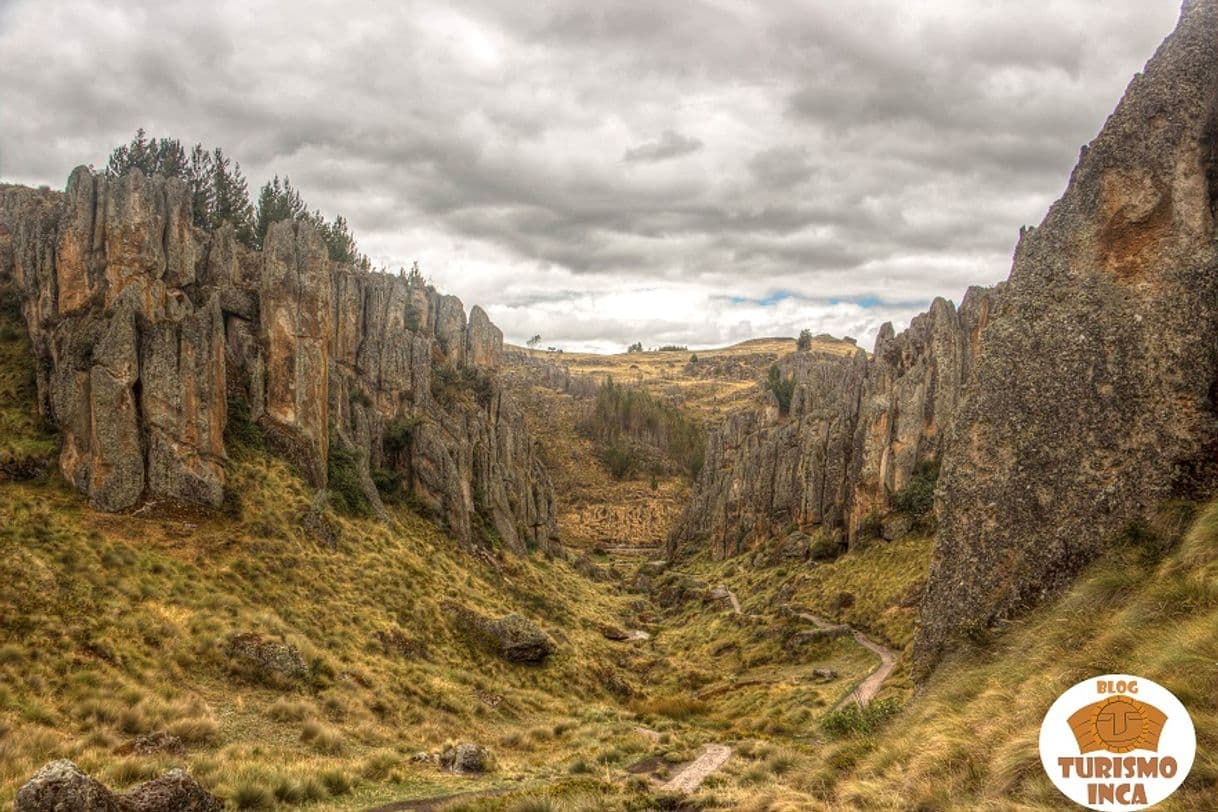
[[637, 430]]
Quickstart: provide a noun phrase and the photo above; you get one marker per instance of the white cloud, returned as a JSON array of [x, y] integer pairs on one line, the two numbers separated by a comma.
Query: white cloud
[[883, 152]]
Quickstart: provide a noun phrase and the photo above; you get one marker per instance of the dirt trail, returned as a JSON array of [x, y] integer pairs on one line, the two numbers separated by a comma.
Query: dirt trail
[[712, 757], [868, 688]]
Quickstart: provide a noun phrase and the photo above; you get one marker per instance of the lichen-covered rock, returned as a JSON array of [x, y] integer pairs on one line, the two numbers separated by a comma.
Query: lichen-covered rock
[[467, 758], [60, 786], [146, 328], [1092, 398], [175, 791], [513, 637], [267, 660], [484, 341], [857, 430]]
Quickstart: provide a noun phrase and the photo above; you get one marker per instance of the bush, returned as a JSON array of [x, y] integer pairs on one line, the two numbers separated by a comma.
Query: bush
[[917, 498], [624, 418], [241, 431], [804, 342], [619, 459], [860, 720], [399, 435], [346, 490], [783, 388]]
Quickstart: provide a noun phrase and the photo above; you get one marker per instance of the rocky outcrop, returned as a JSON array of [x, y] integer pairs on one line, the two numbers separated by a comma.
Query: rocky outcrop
[[60, 786], [513, 637], [147, 328], [1093, 396], [856, 431], [1062, 406]]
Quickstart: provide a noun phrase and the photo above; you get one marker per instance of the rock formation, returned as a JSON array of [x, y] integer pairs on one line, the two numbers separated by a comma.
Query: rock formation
[[1093, 396], [147, 329], [1062, 406], [857, 429]]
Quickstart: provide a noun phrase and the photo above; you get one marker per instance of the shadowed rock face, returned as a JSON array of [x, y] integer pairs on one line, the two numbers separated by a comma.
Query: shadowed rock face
[[146, 327], [1092, 398], [857, 430]]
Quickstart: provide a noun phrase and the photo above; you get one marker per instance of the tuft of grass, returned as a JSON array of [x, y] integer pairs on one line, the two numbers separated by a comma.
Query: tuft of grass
[[860, 720], [674, 707]]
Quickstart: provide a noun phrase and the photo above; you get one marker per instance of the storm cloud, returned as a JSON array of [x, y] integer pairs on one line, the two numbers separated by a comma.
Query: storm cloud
[[688, 172]]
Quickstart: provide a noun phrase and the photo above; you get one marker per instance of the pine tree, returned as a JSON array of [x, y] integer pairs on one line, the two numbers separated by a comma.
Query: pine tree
[[231, 197]]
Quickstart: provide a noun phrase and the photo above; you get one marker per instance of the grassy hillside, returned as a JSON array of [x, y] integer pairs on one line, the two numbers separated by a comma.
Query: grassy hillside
[[968, 740]]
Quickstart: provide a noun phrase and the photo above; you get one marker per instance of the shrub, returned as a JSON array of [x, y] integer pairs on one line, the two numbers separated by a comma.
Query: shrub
[[917, 498], [860, 720], [783, 388], [335, 782], [346, 490], [321, 738], [251, 795], [619, 460], [241, 431], [626, 420], [399, 435], [674, 707]]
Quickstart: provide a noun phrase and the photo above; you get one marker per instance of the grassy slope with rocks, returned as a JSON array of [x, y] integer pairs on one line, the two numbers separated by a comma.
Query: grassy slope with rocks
[[116, 626]]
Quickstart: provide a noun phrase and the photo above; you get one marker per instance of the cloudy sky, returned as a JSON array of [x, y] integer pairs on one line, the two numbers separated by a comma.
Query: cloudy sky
[[692, 171]]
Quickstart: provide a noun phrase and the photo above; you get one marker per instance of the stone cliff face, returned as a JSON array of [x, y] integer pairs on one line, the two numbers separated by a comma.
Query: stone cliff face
[[857, 430], [1092, 398], [1062, 405], [147, 328]]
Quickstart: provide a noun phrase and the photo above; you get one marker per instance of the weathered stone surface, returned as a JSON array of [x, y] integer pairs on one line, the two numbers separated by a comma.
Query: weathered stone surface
[[175, 791], [146, 327], [857, 430], [266, 659], [513, 637], [484, 342], [61, 786], [467, 757], [1093, 394], [296, 327]]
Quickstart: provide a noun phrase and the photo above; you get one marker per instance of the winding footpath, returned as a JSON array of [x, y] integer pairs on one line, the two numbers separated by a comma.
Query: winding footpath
[[712, 757], [869, 687]]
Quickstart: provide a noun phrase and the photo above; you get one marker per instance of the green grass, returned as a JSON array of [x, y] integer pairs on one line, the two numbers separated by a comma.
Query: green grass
[[113, 626], [26, 444]]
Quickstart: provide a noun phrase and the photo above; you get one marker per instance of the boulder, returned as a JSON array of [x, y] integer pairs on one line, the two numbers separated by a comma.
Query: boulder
[[60, 786], [265, 659], [175, 791], [467, 758], [513, 637], [896, 526], [520, 640]]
